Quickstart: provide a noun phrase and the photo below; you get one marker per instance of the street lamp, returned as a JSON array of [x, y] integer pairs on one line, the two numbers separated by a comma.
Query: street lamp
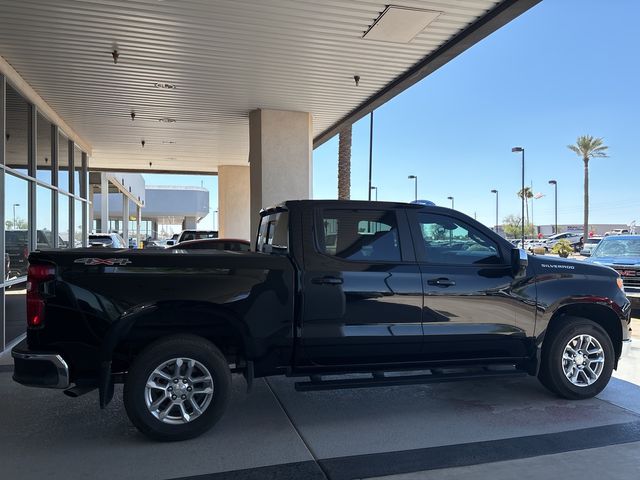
[[555, 185], [451, 198], [496, 192], [14, 215], [376, 189], [516, 150], [415, 186]]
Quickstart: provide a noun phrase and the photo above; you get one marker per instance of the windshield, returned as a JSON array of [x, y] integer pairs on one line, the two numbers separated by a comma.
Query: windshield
[[618, 247]]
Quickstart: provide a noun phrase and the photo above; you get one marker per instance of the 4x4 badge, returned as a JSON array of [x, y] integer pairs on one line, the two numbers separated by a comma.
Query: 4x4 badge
[[103, 261]]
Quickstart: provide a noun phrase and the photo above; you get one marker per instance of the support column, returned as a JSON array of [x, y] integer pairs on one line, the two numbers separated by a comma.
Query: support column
[[280, 155], [138, 220], [234, 202], [104, 203], [125, 218]]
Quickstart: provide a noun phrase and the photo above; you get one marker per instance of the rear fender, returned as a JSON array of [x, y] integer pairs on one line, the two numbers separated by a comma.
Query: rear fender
[[146, 323]]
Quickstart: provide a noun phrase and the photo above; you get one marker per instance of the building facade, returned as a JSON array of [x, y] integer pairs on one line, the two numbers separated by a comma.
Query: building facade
[[43, 198]]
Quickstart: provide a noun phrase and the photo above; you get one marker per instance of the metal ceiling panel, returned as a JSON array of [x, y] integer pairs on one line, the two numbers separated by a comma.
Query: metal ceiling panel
[[225, 58]]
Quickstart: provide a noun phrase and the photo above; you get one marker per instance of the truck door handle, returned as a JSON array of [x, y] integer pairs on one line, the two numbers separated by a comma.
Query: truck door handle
[[441, 282], [327, 281]]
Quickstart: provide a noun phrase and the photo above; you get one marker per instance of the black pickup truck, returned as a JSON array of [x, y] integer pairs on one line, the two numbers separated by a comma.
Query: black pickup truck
[[396, 293]]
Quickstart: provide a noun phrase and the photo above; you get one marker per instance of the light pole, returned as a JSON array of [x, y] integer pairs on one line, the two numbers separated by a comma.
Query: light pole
[[496, 192], [516, 150], [415, 185], [555, 185], [451, 198], [376, 189], [14, 215]]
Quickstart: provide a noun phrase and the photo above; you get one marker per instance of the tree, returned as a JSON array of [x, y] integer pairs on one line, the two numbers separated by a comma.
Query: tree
[[527, 193], [588, 147], [512, 226], [344, 164], [20, 224]]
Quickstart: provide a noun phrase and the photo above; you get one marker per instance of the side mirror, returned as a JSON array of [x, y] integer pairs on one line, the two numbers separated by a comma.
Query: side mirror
[[170, 243], [519, 260]]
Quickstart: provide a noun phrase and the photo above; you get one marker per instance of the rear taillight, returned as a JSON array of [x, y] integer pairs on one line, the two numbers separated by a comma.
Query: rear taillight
[[36, 276]]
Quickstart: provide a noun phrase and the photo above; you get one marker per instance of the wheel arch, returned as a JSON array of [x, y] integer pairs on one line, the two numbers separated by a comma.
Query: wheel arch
[[600, 314], [141, 326]]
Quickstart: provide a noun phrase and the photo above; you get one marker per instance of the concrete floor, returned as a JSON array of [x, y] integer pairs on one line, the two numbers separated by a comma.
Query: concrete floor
[[481, 429]]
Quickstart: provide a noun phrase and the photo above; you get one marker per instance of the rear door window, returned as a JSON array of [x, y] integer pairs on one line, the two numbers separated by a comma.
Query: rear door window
[[359, 235]]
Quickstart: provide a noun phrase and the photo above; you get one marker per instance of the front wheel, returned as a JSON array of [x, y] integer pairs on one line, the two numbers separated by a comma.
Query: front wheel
[[177, 388], [577, 359]]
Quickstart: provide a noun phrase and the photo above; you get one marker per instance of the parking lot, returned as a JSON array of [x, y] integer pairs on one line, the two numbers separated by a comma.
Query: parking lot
[[480, 429]]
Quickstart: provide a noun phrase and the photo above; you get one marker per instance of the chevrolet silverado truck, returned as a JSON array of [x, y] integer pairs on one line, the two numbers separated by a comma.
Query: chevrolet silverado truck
[[342, 294]]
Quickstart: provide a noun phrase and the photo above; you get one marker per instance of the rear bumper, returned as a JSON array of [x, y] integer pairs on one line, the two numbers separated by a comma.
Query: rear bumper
[[39, 369]]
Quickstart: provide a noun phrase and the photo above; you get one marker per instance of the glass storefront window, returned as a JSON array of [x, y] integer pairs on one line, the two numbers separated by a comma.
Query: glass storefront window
[[63, 220], [16, 225], [77, 234], [17, 134], [44, 234], [43, 160], [63, 163], [15, 304], [77, 169]]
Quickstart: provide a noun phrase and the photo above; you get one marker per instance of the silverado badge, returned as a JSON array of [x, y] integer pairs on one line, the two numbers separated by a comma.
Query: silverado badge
[[103, 261]]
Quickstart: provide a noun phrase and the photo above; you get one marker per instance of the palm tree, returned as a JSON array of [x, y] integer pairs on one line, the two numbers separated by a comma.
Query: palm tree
[[527, 193], [344, 164], [588, 147]]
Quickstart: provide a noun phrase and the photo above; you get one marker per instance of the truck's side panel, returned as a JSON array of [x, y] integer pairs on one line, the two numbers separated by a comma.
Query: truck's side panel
[[200, 292]]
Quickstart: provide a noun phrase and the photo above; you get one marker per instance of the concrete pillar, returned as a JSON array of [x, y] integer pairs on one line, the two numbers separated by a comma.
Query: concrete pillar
[[234, 202], [138, 221], [104, 203], [190, 223], [280, 154], [154, 229], [91, 208], [125, 218]]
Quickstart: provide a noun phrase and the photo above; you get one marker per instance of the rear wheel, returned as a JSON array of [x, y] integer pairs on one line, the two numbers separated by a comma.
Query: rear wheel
[[577, 359], [177, 388]]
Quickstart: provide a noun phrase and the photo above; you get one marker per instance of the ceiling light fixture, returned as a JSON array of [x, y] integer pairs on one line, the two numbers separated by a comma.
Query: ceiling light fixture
[[165, 85], [356, 78], [115, 56], [168, 142], [133, 115], [167, 120]]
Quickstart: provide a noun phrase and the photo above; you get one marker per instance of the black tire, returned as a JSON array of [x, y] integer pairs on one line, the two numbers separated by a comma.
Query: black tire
[[552, 374], [155, 355]]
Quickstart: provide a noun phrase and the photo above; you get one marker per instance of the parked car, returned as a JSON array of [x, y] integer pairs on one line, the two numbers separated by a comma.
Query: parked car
[[334, 287], [186, 235], [107, 240], [622, 253], [574, 238], [617, 231], [229, 244], [589, 244], [17, 246]]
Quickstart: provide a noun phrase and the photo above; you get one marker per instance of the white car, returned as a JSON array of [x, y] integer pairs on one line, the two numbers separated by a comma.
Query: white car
[[617, 231], [107, 240], [572, 237]]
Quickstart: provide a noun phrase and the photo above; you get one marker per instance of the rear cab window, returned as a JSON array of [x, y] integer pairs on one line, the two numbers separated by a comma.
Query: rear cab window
[[273, 234]]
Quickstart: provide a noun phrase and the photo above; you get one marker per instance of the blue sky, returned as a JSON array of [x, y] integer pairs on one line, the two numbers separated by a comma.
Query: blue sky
[[563, 69]]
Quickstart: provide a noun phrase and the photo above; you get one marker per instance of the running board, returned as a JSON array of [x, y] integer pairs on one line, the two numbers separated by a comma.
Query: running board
[[378, 379]]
